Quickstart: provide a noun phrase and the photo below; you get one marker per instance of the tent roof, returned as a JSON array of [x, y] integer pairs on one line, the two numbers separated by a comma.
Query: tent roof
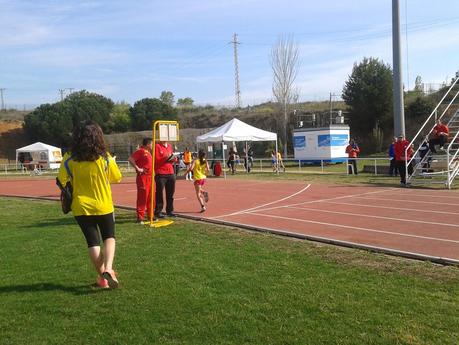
[[236, 130], [38, 146]]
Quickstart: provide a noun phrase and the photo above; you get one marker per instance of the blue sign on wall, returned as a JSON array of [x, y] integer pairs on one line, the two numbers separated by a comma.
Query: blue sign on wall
[[299, 142], [332, 140]]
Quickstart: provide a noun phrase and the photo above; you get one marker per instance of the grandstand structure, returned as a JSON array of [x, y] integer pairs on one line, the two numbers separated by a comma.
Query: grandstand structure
[[441, 167]]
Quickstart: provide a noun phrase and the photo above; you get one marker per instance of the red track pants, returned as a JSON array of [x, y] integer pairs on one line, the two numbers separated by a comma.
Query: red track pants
[[143, 195]]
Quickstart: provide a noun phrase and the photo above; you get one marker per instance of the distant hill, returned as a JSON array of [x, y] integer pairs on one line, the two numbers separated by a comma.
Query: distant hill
[[12, 136]]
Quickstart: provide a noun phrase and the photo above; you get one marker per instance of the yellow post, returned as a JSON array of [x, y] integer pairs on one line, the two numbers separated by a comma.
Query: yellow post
[[171, 135]]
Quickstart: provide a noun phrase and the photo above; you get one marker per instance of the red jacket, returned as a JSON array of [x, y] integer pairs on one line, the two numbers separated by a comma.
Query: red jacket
[[399, 150], [352, 151], [142, 158], [162, 153], [440, 128]]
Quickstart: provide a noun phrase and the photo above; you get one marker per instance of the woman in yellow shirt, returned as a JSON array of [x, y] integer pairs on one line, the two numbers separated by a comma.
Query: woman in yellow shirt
[[90, 170], [200, 169]]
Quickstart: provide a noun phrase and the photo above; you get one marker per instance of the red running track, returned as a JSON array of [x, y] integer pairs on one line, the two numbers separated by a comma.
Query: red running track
[[417, 223]]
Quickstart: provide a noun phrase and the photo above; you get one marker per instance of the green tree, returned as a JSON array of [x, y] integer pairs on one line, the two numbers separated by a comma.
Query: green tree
[[420, 108], [49, 123], [167, 97], [368, 94], [54, 123], [186, 102], [84, 105], [148, 110], [120, 117]]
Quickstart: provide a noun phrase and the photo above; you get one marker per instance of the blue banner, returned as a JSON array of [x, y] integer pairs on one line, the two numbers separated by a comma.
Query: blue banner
[[332, 140], [299, 142]]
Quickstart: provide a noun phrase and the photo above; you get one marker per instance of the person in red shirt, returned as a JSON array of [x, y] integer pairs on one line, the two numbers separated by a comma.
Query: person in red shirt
[[440, 136], [164, 178], [141, 160], [400, 147], [352, 151]]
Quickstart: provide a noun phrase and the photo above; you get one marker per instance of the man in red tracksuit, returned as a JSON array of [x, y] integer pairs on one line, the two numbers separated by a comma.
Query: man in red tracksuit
[[164, 178], [400, 160], [141, 160]]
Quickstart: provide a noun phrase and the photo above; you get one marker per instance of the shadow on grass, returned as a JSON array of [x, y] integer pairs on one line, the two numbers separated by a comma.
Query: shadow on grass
[[52, 223], [75, 290]]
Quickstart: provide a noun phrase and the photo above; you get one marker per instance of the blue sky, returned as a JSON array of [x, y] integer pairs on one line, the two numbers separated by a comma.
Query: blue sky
[[128, 50]]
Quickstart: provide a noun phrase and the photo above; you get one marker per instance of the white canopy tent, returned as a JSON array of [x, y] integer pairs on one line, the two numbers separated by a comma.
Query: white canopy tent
[[40, 155], [236, 130]]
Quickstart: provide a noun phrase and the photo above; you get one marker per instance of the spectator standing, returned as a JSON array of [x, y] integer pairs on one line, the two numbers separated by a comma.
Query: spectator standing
[[352, 151], [274, 161], [164, 178], [90, 169], [141, 160], [400, 146], [248, 159], [280, 162], [440, 136], [232, 160], [392, 167], [187, 158]]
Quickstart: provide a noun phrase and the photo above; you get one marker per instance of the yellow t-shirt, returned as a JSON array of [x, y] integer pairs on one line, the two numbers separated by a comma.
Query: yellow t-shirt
[[92, 195], [199, 170]]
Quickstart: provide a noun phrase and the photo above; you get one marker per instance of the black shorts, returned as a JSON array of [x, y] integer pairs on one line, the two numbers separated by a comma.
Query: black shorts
[[91, 225]]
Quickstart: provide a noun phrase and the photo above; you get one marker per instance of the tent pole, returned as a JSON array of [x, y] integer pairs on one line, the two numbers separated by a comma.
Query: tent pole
[[223, 156], [277, 161], [246, 159]]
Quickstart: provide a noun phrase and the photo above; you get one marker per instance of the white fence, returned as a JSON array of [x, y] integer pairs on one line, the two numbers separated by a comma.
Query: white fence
[[369, 165]]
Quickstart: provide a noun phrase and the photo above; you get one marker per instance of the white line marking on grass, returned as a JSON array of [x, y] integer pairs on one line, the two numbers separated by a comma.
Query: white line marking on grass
[[371, 216], [355, 228], [267, 204], [393, 208]]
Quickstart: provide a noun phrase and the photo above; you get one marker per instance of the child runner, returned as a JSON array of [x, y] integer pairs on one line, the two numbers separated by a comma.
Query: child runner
[[200, 168]]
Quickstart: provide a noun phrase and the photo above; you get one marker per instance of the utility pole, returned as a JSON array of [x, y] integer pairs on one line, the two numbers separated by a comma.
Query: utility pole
[[70, 90], [399, 115], [61, 91], [331, 107], [236, 71], [3, 101]]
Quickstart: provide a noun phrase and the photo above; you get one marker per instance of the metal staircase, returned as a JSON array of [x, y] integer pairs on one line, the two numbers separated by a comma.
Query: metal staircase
[[426, 167]]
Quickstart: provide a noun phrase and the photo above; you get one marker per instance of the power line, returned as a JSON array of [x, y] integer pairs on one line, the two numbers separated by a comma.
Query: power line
[[61, 91], [236, 71], [1, 96]]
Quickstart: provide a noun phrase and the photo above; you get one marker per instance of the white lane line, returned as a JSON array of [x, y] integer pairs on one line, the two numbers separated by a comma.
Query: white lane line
[[392, 208], [371, 216], [356, 228], [264, 205], [323, 200], [406, 200], [430, 196]]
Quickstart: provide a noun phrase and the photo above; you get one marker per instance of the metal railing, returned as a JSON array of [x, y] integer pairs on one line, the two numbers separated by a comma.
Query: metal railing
[[417, 135]]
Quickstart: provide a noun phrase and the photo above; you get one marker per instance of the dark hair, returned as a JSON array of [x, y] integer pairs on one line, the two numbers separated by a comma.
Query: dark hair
[[146, 141], [88, 142], [201, 156]]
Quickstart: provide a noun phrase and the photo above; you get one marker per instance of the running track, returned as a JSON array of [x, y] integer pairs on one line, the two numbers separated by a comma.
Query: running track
[[419, 223]]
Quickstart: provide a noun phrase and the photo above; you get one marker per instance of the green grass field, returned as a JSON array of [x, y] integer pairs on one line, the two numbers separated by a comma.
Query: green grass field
[[194, 283]]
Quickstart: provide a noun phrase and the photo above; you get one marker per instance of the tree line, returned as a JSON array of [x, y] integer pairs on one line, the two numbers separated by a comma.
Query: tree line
[[367, 94]]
